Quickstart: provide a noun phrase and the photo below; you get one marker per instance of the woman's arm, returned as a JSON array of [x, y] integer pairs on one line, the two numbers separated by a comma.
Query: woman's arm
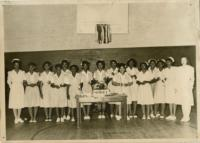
[[40, 89], [9, 81], [67, 88]]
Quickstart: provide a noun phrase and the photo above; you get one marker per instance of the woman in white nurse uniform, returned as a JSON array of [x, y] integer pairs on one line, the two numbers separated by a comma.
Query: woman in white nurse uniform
[[132, 70], [16, 80], [171, 87], [186, 83], [86, 88], [32, 94], [111, 72], [46, 90]]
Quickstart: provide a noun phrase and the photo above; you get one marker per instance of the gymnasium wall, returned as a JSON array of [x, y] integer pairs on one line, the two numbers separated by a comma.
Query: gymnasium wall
[[53, 27]]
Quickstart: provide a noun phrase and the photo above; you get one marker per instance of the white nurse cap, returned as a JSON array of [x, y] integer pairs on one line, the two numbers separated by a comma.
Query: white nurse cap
[[172, 59], [14, 60]]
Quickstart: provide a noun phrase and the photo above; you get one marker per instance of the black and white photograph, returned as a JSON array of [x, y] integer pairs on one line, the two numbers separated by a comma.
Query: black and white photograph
[[100, 71]]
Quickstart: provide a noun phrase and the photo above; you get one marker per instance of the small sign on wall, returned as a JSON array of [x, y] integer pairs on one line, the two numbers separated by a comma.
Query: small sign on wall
[[89, 15]]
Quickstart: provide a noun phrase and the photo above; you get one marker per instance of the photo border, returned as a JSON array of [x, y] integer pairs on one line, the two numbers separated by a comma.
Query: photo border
[[196, 5]]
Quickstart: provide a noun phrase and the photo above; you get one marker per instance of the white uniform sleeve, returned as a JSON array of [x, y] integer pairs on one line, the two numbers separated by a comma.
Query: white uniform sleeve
[[192, 77], [37, 76], [52, 78], [24, 75], [116, 79], [66, 80], [129, 79], [91, 76], [95, 76], [9, 80], [139, 77], [40, 77]]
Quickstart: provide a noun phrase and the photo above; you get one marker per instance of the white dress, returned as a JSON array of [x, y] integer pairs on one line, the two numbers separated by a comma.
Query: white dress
[[59, 95], [66, 73], [159, 95], [154, 73], [46, 78], [110, 73], [123, 79], [86, 78], [132, 72], [171, 95], [74, 89], [100, 76], [185, 84], [32, 94], [145, 95], [16, 95]]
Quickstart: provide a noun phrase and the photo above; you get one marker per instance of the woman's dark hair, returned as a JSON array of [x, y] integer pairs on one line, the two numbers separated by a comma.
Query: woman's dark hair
[[134, 62], [121, 65], [75, 66], [160, 61], [111, 61], [47, 62], [65, 61], [143, 63], [102, 62], [85, 62]]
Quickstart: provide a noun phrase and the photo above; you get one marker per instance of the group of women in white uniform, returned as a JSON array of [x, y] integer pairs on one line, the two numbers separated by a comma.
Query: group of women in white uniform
[[152, 84]]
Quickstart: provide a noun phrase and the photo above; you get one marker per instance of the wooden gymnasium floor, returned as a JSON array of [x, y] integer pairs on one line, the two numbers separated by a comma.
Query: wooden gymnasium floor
[[100, 129]]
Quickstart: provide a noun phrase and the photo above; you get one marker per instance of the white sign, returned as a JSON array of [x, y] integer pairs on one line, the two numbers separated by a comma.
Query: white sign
[[88, 15]]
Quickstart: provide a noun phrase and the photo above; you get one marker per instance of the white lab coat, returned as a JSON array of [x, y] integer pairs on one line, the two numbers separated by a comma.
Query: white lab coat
[[184, 89], [16, 95], [185, 84]]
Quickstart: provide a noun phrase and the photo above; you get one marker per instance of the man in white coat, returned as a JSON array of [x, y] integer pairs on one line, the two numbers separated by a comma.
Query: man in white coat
[[185, 89]]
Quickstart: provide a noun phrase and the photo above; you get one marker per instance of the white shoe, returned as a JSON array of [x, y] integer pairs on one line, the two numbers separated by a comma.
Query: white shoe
[[99, 116], [34, 121], [88, 117], [118, 117], [111, 115], [58, 120], [20, 120], [46, 120], [128, 118], [135, 116], [16, 121], [157, 115], [152, 116], [185, 120], [161, 117], [143, 117], [169, 117], [64, 117], [68, 117], [72, 119], [85, 118], [61, 119], [31, 121], [50, 120], [103, 116], [173, 118], [148, 118]]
